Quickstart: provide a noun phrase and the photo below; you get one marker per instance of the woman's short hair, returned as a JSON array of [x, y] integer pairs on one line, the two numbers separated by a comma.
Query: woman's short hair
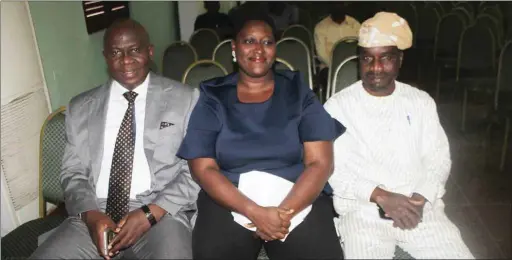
[[250, 12]]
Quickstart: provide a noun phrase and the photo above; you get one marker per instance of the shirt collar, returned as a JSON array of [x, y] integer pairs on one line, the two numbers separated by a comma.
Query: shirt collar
[[117, 90]]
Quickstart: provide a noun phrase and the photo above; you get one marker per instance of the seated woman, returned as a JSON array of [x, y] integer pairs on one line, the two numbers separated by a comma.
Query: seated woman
[[259, 119]]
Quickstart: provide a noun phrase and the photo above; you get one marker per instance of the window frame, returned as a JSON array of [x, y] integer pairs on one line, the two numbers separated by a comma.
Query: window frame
[[112, 10]]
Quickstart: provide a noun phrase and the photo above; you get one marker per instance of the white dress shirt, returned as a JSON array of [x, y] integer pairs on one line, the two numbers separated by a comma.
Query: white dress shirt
[[395, 142], [117, 105]]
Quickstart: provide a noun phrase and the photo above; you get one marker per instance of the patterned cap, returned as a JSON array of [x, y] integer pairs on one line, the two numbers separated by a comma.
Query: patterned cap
[[385, 29]]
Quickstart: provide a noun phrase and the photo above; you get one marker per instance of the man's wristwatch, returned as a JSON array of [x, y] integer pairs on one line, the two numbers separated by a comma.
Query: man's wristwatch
[[149, 215]]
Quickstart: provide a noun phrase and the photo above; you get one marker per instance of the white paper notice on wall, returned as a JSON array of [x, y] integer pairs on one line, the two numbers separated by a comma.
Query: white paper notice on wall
[[266, 190], [21, 122]]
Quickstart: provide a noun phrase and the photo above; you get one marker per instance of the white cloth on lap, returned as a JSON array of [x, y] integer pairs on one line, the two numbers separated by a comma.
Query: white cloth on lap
[[267, 190]]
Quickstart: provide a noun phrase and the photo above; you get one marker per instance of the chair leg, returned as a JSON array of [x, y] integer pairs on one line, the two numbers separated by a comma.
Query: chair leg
[[464, 108], [505, 144], [44, 209]]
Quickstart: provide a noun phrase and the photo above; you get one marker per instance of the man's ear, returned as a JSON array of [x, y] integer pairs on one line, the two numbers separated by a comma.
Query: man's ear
[[151, 49]]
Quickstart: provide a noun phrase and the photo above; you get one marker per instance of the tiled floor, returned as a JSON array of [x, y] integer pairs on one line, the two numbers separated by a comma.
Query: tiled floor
[[478, 195]]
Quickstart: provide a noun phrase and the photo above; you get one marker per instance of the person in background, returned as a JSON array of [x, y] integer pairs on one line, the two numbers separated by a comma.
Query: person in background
[[120, 169], [213, 19], [284, 15], [392, 164], [261, 120], [329, 31]]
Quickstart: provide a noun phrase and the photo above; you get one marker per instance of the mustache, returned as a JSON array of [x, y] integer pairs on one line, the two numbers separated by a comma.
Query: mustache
[[375, 75]]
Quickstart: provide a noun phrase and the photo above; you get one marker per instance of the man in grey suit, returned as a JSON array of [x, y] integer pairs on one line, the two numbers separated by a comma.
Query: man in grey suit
[[120, 169]]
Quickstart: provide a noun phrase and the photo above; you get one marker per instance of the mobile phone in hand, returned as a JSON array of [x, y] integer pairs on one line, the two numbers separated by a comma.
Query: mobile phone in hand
[[108, 236], [382, 214]]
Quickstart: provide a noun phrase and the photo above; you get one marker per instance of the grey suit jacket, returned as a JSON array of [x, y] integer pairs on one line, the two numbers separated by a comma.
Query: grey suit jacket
[[172, 186]]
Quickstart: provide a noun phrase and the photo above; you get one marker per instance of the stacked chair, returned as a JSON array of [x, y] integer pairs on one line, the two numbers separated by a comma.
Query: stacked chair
[[446, 44], [475, 70], [222, 55], [177, 58], [344, 75], [296, 52], [202, 70], [204, 42], [342, 50], [501, 112]]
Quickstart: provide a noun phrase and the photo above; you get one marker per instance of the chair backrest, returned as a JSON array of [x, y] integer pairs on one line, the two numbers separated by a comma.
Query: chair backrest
[[471, 6], [297, 54], [204, 41], [441, 7], [345, 75], [51, 150], [302, 33], [465, 14], [222, 55], [341, 50], [493, 24], [468, 6], [448, 32], [476, 38], [428, 19], [493, 11], [177, 57], [481, 6], [281, 64], [202, 70], [504, 80]]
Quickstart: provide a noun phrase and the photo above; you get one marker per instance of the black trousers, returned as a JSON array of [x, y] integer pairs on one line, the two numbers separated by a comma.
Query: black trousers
[[217, 236]]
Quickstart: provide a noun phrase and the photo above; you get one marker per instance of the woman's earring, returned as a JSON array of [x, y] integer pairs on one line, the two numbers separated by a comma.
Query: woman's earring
[[234, 57]]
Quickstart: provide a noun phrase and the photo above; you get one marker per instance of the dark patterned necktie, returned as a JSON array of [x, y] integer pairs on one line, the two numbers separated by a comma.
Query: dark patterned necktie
[[122, 164]]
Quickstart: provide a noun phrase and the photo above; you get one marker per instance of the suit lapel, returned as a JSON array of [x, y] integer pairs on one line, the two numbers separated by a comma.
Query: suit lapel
[[156, 104], [96, 126]]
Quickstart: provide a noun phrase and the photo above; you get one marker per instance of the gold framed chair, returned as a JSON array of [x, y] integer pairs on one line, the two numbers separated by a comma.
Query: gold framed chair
[[281, 64], [341, 50], [302, 33], [52, 142], [177, 57], [345, 75], [290, 49], [222, 55], [202, 70], [204, 41]]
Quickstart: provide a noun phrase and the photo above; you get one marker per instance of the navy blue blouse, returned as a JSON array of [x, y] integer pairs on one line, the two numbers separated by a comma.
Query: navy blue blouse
[[265, 136]]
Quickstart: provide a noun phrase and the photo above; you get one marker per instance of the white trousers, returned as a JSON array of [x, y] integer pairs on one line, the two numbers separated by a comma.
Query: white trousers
[[366, 236]]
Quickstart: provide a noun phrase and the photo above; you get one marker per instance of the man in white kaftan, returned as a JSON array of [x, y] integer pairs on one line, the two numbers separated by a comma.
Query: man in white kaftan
[[392, 163]]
